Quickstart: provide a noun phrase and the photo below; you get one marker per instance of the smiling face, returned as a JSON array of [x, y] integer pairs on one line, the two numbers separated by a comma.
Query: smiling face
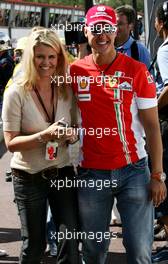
[[103, 42], [45, 60]]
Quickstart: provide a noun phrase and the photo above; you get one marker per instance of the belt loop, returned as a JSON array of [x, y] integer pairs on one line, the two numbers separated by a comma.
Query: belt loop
[[57, 172], [43, 175]]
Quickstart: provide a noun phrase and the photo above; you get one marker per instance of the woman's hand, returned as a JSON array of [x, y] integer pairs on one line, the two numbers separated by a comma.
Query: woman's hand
[[62, 134], [54, 132], [15, 141], [72, 135]]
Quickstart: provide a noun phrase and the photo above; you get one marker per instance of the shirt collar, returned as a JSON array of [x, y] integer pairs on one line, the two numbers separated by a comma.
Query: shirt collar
[[126, 44]]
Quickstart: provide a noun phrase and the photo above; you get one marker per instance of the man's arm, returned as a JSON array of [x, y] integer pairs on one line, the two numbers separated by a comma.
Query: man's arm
[[144, 55], [150, 122]]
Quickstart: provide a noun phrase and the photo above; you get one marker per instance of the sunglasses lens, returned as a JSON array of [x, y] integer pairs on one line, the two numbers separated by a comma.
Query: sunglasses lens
[[96, 30], [99, 29], [113, 29], [109, 29], [2, 42]]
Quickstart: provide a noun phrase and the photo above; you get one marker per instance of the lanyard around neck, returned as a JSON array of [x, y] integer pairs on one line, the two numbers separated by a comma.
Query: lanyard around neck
[[51, 120], [103, 72], [108, 66]]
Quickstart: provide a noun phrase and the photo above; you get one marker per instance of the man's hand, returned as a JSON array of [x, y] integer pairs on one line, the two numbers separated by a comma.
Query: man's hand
[[158, 192]]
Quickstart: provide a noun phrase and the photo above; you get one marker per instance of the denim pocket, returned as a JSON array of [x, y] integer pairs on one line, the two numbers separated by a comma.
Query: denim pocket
[[83, 172], [20, 180], [140, 164]]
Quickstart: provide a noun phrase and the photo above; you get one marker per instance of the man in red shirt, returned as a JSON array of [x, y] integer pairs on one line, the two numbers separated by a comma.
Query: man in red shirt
[[117, 100]]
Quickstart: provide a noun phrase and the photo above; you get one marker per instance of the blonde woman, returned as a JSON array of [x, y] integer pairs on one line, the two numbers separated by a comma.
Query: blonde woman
[[31, 114]]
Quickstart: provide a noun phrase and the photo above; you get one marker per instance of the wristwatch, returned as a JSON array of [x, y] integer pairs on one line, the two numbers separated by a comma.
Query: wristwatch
[[160, 176]]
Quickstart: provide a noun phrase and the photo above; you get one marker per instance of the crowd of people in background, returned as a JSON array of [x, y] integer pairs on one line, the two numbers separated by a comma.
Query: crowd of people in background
[[35, 110]]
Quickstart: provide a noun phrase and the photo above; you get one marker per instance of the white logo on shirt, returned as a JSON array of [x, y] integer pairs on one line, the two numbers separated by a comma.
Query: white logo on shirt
[[125, 86]]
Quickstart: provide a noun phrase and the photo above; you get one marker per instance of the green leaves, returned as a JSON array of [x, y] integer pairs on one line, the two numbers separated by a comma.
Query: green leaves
[[113, 3]]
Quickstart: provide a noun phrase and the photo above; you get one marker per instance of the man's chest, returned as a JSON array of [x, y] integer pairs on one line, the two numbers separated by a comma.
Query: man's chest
[[104, 88]]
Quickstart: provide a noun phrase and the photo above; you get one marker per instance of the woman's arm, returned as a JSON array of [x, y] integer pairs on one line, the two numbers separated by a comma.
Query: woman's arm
[[17, 142]]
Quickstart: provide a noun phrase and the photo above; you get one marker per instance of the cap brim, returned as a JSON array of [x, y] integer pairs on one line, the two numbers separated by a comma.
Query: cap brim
[[102, 20]]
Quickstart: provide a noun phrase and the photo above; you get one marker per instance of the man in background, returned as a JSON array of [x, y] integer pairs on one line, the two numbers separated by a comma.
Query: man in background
[[124, 41]]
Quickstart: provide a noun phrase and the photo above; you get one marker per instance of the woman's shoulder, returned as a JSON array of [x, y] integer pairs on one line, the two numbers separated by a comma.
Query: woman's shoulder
[[14, 88], [163, 49], [162, 56], [15, 92]]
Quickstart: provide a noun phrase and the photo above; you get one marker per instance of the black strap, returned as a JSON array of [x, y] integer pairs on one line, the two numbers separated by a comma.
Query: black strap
[[166, 43], [155, 58], [152, 64], [134, 50], [51, 120], [107, 68]]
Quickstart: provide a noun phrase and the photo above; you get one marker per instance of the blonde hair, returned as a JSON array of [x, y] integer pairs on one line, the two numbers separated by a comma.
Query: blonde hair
[[30, 76]]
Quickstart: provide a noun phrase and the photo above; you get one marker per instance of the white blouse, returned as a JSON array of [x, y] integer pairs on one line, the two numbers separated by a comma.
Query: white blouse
[[20, 113]]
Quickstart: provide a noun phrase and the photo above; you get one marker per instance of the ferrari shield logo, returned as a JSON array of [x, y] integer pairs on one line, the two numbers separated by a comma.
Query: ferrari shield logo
[[112, 81]]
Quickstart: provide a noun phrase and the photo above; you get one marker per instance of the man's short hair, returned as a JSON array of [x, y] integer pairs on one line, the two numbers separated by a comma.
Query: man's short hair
[[128, 11]]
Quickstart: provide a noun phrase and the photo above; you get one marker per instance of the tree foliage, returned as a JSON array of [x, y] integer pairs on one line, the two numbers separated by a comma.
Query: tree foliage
[[113, 3], [117, 3]]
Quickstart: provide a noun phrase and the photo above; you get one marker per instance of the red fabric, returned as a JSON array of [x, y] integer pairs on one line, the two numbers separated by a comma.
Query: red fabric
[[112, 106], [101, 13]]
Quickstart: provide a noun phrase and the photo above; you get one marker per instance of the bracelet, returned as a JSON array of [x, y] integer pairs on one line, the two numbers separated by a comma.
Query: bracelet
[[160, 176], [76, 138]]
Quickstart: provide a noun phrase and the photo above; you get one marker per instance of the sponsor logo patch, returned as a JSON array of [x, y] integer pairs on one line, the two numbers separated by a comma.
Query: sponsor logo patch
[[111, 82], [125, 83], [83, 84], [101, 8], [84, 97], [149, 77]]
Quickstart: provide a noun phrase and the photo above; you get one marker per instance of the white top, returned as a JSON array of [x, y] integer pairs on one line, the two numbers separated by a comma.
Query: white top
[[20, 113], [162, 59]]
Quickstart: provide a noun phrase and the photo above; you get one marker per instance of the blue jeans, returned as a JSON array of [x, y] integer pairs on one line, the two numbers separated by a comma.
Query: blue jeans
[[31, 195], [51, 229], [130, 187]]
